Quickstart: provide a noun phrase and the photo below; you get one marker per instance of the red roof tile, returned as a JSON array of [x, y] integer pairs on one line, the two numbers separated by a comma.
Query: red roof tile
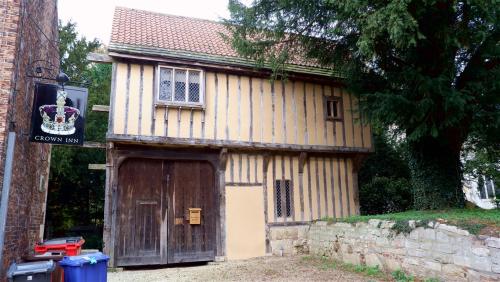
[[152, 29], [173, 33]]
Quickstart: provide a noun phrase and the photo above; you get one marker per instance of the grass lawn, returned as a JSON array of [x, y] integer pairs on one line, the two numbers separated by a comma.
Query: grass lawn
[[476, 221]]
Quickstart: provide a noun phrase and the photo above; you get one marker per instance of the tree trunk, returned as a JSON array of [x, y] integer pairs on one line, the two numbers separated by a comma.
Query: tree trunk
[[436, 173]]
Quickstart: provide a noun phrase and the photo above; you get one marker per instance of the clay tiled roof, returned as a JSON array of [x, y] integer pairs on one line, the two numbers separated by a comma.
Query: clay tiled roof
[[144, 32], [151, 29]]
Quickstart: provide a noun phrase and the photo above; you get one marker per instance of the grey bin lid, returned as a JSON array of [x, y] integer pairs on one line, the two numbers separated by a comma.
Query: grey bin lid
[[63, 240], [30, 268]]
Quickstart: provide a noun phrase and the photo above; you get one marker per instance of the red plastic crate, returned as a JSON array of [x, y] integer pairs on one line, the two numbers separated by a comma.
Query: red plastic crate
[[70, 245]]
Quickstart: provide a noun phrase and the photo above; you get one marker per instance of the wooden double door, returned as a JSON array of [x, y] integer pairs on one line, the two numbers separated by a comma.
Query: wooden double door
[[153, 223]]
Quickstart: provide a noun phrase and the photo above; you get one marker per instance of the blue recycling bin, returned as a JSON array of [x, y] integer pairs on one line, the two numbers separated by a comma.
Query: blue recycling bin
[[85, 268]]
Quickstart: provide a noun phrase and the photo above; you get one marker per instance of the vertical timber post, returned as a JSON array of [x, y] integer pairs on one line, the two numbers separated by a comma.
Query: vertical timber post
[[221, 197], [265, 165], [108, 248], [302, 162]]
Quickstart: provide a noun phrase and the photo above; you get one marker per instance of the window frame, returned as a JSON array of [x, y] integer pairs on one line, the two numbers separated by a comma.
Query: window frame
[[283, 194], [179, 104], [340, 108]]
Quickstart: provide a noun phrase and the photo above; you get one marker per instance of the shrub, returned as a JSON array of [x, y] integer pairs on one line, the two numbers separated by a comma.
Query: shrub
[[385, 195], [384, 178]]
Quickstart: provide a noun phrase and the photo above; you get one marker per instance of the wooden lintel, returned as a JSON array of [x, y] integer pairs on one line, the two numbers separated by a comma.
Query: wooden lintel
[[94, 145], [242, 184], [99, 58], [100, 108], [97, 166], [239, 145]]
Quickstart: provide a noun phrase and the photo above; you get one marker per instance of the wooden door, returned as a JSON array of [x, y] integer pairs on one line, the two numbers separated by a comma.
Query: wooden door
[[153, 201], [192, 185], [141, 213]]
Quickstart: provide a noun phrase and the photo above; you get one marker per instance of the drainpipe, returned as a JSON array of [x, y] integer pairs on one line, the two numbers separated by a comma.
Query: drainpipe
[[485, 187], [4, 202], [493, 188], [11, 139]]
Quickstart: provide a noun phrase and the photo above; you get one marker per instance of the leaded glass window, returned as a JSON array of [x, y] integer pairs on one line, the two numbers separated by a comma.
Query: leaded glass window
[[194, 86], [165, 85], [283, 195], [179, 86]]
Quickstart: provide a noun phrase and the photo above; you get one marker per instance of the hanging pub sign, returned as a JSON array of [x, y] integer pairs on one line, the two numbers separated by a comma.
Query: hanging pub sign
[[58, 115]]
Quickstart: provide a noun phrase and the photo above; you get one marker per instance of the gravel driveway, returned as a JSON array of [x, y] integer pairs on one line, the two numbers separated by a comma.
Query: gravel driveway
[[258, 269]]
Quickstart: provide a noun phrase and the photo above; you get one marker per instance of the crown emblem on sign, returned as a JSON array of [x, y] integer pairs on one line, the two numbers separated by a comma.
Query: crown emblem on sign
[[59, 119]]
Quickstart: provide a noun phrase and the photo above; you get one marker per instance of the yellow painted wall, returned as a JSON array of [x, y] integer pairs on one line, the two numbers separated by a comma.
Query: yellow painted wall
[[147, 100], [245, 221], [245, 226], [120, 95], [238, 108], [133, 101], [331, 183]]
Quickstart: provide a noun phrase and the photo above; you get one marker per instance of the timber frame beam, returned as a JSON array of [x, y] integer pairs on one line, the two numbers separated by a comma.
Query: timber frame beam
[[265, 166], [243, 70], [221, 202], [238, 145]]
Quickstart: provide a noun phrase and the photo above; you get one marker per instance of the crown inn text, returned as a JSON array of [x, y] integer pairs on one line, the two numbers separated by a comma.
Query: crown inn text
[[56, 139]]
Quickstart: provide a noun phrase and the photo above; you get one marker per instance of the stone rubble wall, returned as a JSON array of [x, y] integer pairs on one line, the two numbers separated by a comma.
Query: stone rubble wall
[[289, 240], [435, 251]]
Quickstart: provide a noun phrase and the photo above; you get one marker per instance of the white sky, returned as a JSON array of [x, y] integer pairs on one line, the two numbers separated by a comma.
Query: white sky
[[94, 17]]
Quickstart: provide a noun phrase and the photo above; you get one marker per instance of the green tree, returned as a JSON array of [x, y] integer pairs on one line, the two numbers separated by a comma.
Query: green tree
[[482, 162], [384, 178], [73, 51], [76, 194], [428, 67]]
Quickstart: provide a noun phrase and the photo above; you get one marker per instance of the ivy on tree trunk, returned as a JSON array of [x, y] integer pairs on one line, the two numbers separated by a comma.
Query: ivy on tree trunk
[[436, 175]]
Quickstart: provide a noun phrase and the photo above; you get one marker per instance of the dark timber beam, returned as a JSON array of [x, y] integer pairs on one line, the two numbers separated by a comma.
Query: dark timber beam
[[239, 145], [222, 67]]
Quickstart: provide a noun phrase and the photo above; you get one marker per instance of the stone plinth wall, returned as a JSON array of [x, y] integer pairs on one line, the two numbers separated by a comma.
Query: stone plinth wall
[[434, 251], [288, 240]]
